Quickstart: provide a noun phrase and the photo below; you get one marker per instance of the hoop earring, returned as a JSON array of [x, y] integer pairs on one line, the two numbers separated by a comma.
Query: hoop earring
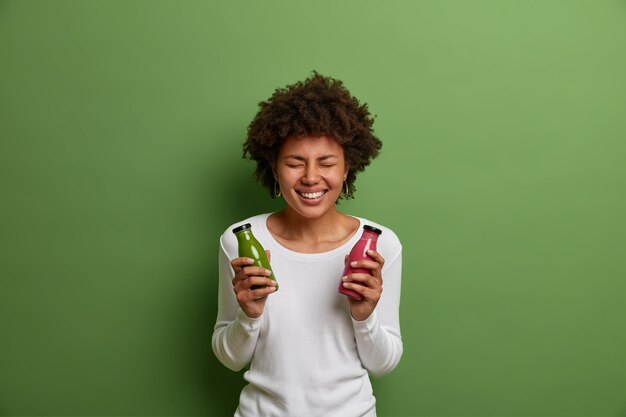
[[276, 193], [345, 192]]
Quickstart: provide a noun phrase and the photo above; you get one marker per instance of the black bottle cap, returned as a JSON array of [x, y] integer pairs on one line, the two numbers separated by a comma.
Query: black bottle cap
[[372, 229], [242, 227]]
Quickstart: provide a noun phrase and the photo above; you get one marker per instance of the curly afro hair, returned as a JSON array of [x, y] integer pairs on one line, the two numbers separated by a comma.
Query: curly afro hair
[[318, 106]]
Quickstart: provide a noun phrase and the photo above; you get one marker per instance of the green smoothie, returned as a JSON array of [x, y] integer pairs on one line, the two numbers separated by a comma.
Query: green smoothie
[[249, 247]]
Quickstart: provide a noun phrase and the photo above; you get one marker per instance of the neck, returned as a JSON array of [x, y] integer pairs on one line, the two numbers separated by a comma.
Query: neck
[[325, 227]]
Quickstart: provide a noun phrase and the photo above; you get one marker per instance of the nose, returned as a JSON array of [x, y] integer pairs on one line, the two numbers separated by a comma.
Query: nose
[[311, 175]]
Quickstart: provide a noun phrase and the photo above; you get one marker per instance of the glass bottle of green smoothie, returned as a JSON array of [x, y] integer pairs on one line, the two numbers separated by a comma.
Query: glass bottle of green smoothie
[[249, 247]]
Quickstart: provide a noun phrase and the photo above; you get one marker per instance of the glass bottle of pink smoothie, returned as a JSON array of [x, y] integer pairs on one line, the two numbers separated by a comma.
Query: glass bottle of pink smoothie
[[359, 251]]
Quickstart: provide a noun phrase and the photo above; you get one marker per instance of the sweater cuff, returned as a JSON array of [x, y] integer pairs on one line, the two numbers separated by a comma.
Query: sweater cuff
[[365, 325], [248, 323]]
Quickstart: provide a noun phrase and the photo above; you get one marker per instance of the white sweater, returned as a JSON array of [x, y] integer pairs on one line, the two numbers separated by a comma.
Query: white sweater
[[307, 355]]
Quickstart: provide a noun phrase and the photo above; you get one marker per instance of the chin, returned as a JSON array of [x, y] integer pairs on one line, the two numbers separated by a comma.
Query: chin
[[311, 212]]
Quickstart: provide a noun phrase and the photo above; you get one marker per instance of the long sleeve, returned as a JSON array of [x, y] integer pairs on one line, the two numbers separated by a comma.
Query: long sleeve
[[378, 337], [235, 334], [305, 353]]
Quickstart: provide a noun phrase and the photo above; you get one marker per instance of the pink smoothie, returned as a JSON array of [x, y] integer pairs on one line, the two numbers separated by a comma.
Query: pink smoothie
[[359, 251]]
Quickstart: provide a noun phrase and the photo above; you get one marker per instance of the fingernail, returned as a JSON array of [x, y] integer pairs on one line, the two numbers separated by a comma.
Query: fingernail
[[344, 278], [353, 263], [345, 284], [369, 251], [268, 272]]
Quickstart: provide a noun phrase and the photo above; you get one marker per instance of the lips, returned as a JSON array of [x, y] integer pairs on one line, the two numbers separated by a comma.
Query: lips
[[312, 195]]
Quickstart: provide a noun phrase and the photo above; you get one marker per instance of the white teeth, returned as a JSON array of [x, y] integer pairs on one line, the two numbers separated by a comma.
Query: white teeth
[[312, 195]]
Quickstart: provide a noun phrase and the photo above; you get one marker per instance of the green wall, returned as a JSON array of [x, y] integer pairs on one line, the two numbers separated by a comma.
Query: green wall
[[503, 172]]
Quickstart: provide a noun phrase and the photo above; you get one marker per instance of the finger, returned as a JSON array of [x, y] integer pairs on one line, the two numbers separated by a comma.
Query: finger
[[367, 293], [367, 264], [269, 255], [252, 284], [242, 261], [251, 296], [357, 277], [364, 280], [262, 292], [377, 257], [256, 271], [237, 263], [248, 273]]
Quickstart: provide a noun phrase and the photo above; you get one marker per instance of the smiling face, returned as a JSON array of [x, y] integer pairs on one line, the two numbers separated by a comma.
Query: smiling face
[[310, 171]]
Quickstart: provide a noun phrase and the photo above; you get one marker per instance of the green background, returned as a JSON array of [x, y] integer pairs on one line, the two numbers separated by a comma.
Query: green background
[[503, 172]]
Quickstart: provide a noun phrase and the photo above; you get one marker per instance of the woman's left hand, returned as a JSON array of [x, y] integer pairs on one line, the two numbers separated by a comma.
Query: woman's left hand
[[370, 286]]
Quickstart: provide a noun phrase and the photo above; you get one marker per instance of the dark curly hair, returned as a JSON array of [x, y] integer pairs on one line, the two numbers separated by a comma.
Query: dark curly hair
[[318, 106]]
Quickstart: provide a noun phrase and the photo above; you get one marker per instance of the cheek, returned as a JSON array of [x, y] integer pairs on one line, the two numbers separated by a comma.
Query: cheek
[[283, 175], [335, 179]]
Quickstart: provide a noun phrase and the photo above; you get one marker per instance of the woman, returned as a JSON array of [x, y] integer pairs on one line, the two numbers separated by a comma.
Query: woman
[[309, 347]]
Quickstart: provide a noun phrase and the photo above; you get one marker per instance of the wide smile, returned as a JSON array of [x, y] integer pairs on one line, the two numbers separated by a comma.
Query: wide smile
[[311, 196]]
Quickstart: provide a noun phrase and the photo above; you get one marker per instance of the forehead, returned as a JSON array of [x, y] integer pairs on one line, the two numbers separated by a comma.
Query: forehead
[[310, 147]]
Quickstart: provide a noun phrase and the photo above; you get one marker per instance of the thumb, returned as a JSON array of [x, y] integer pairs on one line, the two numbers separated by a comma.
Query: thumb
[[269, 255]]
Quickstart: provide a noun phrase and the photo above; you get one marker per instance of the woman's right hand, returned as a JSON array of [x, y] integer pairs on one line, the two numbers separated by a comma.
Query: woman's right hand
[[252, 302]]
